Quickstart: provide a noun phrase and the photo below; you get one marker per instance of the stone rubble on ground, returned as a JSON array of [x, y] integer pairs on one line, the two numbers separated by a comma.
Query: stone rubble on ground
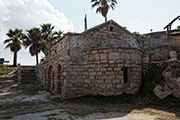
[[162, 91], [172, 78]]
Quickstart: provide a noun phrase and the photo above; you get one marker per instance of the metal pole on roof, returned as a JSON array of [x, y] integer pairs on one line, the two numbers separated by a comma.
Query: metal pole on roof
[[85, 22]]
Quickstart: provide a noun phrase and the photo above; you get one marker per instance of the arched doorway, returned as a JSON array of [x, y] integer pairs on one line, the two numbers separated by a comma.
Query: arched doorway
[[52, 82], [49, 77], [59, 80], [44, 78]]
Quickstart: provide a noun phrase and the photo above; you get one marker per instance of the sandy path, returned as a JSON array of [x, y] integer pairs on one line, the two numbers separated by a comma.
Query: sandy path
[[58, 115]]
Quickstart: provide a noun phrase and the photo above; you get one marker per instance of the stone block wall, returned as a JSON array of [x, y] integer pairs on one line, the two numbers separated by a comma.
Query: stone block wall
[[157, 47], [52, 71], [100, 72], [104, 60]]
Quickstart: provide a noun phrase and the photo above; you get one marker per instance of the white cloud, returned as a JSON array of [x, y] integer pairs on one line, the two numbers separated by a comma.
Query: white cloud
[[25, 14], [141, 25], [80, 29]]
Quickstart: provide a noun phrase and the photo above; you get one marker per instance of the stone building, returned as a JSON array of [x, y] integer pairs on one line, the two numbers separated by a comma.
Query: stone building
[[104, 60], [157, 47], [161, 44]]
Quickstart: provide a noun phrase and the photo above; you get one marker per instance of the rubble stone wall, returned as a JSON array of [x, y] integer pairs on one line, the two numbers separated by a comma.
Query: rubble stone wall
[[105, 60], [101, 72], [52, 71], [157, 47]]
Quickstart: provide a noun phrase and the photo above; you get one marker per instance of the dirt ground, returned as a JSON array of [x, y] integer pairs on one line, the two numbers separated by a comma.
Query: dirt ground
[[31, 102]]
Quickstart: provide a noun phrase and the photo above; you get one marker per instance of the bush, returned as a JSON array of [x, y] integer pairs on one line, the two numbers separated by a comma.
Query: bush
[[143, 36], [5, 70], [150, 79]]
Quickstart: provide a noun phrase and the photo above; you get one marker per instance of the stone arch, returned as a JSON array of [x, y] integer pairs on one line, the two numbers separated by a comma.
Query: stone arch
[[59, 79], [52, 82], [44, 77], [49, 77]]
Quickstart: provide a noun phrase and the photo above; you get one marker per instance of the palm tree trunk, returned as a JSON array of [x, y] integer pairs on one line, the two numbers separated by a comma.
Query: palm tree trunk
[[15, 59], [106, 18], [37, 61]]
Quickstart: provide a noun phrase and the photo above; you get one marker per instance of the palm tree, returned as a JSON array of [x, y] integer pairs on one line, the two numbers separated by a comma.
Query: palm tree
[[47, 32], [14, 42], [48, 37], [33, 41], [57, 35], [103, 6]]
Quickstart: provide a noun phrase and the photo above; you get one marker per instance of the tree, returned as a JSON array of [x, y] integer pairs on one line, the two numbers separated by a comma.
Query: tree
[[41, 39], [33, 41], [47, 32], [48, 36], [14, 42], [103, 6], [178, 27], [57, 35]]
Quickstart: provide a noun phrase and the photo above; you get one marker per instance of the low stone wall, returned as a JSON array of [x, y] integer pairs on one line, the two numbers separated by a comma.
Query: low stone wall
[[100, 71]]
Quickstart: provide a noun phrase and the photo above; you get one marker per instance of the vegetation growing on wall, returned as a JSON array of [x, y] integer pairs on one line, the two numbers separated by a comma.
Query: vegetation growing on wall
[[151, 78], [142, 36]]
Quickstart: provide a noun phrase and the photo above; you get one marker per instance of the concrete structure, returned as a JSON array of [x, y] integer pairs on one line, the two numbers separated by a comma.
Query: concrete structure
[[104, 60]]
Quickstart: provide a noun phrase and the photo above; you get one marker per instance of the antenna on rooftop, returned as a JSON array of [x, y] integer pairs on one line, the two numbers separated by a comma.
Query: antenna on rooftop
[[85, 22], [151, 30]]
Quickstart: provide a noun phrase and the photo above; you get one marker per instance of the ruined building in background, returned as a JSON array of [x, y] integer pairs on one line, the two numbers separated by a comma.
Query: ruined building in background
[[158, 46], [164, 48], [104, 60]]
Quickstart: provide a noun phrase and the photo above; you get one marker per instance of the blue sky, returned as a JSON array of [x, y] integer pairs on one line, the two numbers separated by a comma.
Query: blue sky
[[136, 15]]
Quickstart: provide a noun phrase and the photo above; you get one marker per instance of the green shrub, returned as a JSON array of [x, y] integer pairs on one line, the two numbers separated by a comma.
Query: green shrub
[[150, 79], [5, 69], [143, 36]]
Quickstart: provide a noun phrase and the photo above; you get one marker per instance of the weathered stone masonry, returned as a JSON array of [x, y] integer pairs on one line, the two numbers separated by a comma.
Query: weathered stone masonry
[[104, 60], [51, 72], [102, 72]]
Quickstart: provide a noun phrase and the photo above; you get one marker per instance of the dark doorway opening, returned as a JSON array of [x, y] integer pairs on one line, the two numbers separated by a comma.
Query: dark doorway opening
[[49, 78], [125, 74], [59, 85]]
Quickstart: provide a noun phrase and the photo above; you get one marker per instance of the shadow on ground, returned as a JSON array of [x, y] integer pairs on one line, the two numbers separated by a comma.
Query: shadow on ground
[[30, 101]]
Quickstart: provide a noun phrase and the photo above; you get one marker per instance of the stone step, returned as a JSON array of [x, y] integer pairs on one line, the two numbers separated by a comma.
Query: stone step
[[23, 79], [28, 71], [28, 74], [28, 78]]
